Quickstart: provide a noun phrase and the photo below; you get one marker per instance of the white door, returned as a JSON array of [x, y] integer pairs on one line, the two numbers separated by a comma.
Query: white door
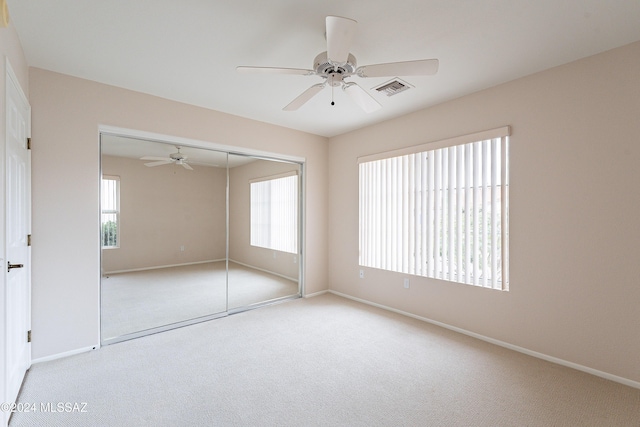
[[17, 266]]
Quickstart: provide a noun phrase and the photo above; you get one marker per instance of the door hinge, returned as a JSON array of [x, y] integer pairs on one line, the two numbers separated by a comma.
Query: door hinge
[[28, 143], [29, 335], [28, 239]]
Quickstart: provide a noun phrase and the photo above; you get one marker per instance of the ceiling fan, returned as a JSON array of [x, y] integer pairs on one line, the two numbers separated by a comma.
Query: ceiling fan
[[337, 64], [177, 158]]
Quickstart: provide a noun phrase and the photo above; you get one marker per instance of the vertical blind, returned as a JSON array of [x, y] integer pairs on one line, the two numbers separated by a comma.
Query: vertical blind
[[441, 213], [274, 213], [110, 209]]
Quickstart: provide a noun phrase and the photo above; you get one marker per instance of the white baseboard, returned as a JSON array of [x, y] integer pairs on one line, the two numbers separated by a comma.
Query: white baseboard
[[65, 354], [597, 373], [315, 294], [160, 266]]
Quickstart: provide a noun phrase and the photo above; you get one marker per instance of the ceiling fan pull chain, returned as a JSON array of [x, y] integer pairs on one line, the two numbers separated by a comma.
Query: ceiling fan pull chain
[[332, 103]]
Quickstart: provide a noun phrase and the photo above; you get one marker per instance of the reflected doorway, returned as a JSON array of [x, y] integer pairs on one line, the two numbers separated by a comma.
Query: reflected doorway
[[178, 235]]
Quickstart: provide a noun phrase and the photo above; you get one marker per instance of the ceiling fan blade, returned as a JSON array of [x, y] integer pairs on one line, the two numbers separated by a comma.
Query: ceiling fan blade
[[274, 70], [340, 34], [424, 67], [155, 158], [361, 97], [304, 97], [158, 163], [186, 166]]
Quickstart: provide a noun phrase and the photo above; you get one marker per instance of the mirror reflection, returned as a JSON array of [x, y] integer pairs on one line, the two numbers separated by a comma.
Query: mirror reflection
[[263, 231], [168, 257]]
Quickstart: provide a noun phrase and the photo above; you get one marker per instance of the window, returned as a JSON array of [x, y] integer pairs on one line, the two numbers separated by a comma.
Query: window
[[110, 211], [274, 212], [441, 213]]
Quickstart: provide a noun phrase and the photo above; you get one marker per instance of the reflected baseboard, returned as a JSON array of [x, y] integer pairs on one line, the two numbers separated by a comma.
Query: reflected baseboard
[[293, 279], [106, 273]]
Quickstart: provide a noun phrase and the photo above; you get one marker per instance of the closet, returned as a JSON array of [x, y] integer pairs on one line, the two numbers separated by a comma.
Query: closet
[[190, 233]]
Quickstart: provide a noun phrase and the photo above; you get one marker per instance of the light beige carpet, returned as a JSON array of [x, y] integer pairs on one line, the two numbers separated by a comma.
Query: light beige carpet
[[322, 361], [140, 300]]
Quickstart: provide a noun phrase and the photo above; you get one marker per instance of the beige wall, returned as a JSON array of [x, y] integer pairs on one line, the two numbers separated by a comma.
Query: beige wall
[[67, 113], [240, 248], [575, 156], [164, 210]]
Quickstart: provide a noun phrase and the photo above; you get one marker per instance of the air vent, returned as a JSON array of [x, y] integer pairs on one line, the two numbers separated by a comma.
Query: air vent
[[393, 87]]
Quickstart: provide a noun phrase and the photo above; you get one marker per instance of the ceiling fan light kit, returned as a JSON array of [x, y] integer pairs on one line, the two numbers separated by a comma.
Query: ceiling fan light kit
[[337, 64]]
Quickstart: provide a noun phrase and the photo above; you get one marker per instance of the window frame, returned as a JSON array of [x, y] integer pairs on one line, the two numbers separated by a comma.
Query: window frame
[[394, 239]]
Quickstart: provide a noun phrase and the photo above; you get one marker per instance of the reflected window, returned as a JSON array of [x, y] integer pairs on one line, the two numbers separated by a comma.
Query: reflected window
[[110, 211], [274, 212]]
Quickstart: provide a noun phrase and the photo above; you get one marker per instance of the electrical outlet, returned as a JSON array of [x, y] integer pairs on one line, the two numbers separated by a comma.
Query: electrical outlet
[[406, 283], [295, 259], [182, 248], [362, 274]]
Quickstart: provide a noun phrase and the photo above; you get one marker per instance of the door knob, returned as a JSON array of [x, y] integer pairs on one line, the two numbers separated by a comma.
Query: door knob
[[10, 266]]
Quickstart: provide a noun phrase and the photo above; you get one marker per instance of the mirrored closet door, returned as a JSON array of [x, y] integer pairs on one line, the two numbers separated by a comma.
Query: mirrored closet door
[[190, 234], [263, 230]]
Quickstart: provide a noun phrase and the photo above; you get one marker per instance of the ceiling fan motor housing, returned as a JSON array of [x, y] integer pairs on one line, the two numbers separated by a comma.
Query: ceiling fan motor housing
[[325, 68]]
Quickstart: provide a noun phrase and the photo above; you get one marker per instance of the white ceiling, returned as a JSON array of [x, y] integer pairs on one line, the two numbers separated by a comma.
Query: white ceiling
[[188, 50]]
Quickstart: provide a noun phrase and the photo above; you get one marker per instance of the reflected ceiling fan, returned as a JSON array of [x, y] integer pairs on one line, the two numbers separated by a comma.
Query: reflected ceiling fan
[[177, 158], [337, 64]]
